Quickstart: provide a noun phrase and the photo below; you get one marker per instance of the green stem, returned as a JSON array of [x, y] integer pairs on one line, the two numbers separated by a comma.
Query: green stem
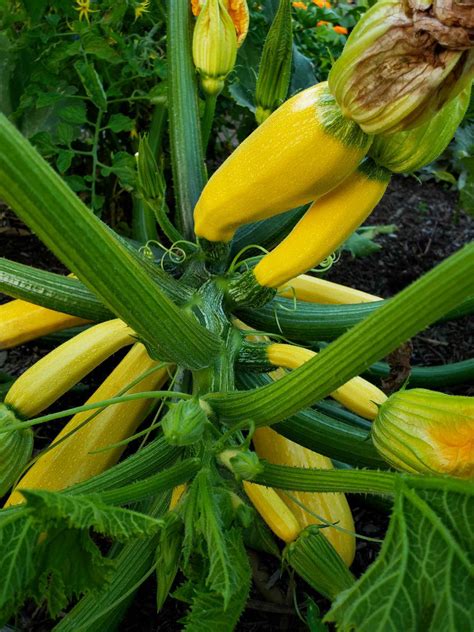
[[307, 480], [143, 222], [157, 455], [412, 310], [94, 253], [103, 404], [51, 290], [312, 321], [133, 492], [430, 376], [207, 120], [157, 129], [185, 134], [95, 157]]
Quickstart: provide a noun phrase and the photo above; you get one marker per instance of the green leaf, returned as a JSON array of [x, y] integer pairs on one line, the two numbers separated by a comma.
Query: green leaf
[[91, 83], [97, 46], [303, 75], [64, 160], [35, 8], [208, 608], [422, 578], [89, 512], [361, 242], [124, 167], [120, 123], [64, 133], [69, 565], [75, 114], [208, 516], [18, 535]]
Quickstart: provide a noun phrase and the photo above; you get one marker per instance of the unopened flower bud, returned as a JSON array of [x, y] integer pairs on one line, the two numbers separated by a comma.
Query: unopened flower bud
[[275, 65], [214, 45], [184, 423], [426, 432], [244, 464]]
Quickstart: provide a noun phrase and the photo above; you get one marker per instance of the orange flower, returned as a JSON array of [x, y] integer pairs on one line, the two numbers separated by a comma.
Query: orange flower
[[322, 4], [341, 30], [299, 5], [322, 23]]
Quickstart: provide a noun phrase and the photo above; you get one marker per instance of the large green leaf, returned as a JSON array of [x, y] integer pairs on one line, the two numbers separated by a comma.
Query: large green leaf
[[89, 512], [423, 578], [209, 611], [17, 569]]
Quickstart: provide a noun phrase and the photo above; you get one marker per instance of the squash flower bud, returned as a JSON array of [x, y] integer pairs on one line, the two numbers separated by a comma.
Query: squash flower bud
[[275, 65], [423, 431], [244, 464], [408, 151], [184, 423], [220, 29], [403, 62]]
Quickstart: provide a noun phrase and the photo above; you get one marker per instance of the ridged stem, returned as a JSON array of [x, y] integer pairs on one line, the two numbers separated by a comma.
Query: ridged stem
[[187, 155], [89, 249], [207, 119], [152, 458], [306, 480], [425, 301], [175, 475]]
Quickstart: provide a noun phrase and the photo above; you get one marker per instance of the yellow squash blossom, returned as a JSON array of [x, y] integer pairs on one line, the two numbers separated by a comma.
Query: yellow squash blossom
[[426, 432]]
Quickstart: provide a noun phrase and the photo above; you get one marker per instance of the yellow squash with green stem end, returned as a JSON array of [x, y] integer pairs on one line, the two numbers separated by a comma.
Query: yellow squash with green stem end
[[426, 432], [54, 374], [324, 227], [302, 151], [72, 460], [311, 289], [332, 508], [357, 394], [278, 516], [21, 322]]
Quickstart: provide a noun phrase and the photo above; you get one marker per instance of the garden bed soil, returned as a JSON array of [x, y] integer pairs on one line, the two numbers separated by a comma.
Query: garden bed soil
[[429, 228]]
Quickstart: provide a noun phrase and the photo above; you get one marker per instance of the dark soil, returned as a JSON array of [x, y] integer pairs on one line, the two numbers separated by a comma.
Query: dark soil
[[429, 229]]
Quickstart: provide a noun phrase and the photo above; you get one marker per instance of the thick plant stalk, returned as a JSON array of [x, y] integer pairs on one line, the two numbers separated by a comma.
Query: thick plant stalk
[[425, 301], [21, 322], [71, 461], [91, 251], [185, 133], [51, 290]]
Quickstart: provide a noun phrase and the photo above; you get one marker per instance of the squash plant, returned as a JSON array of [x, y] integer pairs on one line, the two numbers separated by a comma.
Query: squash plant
[[198, 493]]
